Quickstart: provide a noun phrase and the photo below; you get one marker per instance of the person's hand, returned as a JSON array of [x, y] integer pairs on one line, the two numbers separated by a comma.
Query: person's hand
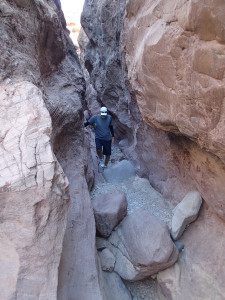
[[113, 140]]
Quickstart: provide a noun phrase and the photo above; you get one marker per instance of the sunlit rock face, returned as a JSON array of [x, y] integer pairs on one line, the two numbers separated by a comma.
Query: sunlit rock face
[[41, 103]]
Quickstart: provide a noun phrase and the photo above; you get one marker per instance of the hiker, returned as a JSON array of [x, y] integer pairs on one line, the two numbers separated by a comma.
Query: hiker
[[104, 135]]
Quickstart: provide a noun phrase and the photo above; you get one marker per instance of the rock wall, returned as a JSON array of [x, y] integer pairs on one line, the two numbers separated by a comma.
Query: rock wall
[[159, 68], [175, 58], [199, 273], [149, 148], [34, 196], [41, 98], [175, 155]]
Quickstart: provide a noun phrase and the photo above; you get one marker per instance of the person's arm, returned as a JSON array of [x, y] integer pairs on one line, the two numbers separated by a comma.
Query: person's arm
[[111, 130], [112, 133], [90, 121]]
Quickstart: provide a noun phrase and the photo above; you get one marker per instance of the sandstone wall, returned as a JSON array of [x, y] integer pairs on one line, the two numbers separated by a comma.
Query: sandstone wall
[[41, 98], [34, 196], [175, 58], [161, 55], [165, 90]]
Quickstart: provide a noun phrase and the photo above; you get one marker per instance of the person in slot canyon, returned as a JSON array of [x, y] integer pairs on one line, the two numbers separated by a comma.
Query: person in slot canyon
[[104, 135]]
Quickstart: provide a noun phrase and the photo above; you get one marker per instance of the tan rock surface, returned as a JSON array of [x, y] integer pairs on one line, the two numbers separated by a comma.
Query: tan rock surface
[[173, 163], [175, 57], [34, 196]]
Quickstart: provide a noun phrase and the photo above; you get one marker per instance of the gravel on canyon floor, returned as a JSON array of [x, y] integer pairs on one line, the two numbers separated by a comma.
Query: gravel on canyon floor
[[140, 195]]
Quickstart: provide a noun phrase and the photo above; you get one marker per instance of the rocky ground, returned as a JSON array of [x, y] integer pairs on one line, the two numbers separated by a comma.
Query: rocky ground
[[140, 194]]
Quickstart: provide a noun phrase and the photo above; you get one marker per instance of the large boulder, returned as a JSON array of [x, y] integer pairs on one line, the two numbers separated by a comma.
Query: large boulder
[[109, 210], [142, 246], [185, 213]]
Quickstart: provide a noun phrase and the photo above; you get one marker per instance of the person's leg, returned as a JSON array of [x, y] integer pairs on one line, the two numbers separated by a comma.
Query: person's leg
[[107, 157], [99, 148], [99, 152], [107, 151]]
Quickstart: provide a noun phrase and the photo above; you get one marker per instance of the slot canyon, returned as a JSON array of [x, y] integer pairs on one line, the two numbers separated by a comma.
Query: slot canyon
[[152, 224]]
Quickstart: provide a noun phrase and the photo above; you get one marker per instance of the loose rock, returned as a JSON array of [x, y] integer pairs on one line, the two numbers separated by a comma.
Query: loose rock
[[142, 246], [109, 210], [185, 213]]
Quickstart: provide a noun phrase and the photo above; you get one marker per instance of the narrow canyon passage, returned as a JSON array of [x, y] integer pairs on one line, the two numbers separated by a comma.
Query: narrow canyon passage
[[152, 64], [159, 68], [140, 195]]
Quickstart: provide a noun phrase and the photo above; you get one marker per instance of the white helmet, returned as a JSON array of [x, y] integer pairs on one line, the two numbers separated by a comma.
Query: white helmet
[[103, 111]]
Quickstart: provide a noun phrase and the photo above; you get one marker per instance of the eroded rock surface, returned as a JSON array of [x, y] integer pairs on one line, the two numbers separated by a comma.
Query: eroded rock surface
[[175, 58], [114, 287], [174, 159], [174, 55], [34, 195], [107, 260], [42, 96], [119, 172]]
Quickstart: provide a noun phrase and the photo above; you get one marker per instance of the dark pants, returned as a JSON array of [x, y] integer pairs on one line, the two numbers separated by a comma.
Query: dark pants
[[105, 145]]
